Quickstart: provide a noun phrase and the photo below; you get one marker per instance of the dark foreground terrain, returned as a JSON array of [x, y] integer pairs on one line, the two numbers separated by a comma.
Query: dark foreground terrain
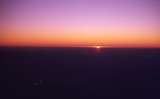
[[81, 73]]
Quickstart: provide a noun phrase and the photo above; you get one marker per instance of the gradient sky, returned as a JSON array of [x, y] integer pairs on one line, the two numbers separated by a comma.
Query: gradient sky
[[75, 23]]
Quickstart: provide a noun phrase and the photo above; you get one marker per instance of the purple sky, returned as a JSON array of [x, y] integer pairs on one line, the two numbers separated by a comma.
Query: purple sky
[[114, 17]]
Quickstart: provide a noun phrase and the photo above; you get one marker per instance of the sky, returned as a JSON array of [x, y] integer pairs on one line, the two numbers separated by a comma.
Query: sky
[[80, 23]]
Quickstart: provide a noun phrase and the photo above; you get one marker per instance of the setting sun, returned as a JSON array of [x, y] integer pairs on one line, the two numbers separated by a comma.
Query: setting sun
[[98, 46]]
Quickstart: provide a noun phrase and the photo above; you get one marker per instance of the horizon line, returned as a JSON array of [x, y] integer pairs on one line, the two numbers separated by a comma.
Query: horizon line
[[94, 46]]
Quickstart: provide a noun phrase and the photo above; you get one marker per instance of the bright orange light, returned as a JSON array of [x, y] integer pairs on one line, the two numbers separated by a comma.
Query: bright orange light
[[98, 47]]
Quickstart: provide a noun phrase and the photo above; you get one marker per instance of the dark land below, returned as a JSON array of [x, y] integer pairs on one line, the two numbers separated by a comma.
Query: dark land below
[[81, 73]]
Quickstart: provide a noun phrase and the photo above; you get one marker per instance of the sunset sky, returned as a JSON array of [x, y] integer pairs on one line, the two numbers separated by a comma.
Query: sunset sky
[[81, 23]]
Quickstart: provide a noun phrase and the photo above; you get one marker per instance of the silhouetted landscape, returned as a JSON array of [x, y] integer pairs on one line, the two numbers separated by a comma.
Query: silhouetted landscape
[[82, 73]]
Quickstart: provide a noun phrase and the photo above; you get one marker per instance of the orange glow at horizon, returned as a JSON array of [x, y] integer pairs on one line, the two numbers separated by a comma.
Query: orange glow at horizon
[[80, 40]]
